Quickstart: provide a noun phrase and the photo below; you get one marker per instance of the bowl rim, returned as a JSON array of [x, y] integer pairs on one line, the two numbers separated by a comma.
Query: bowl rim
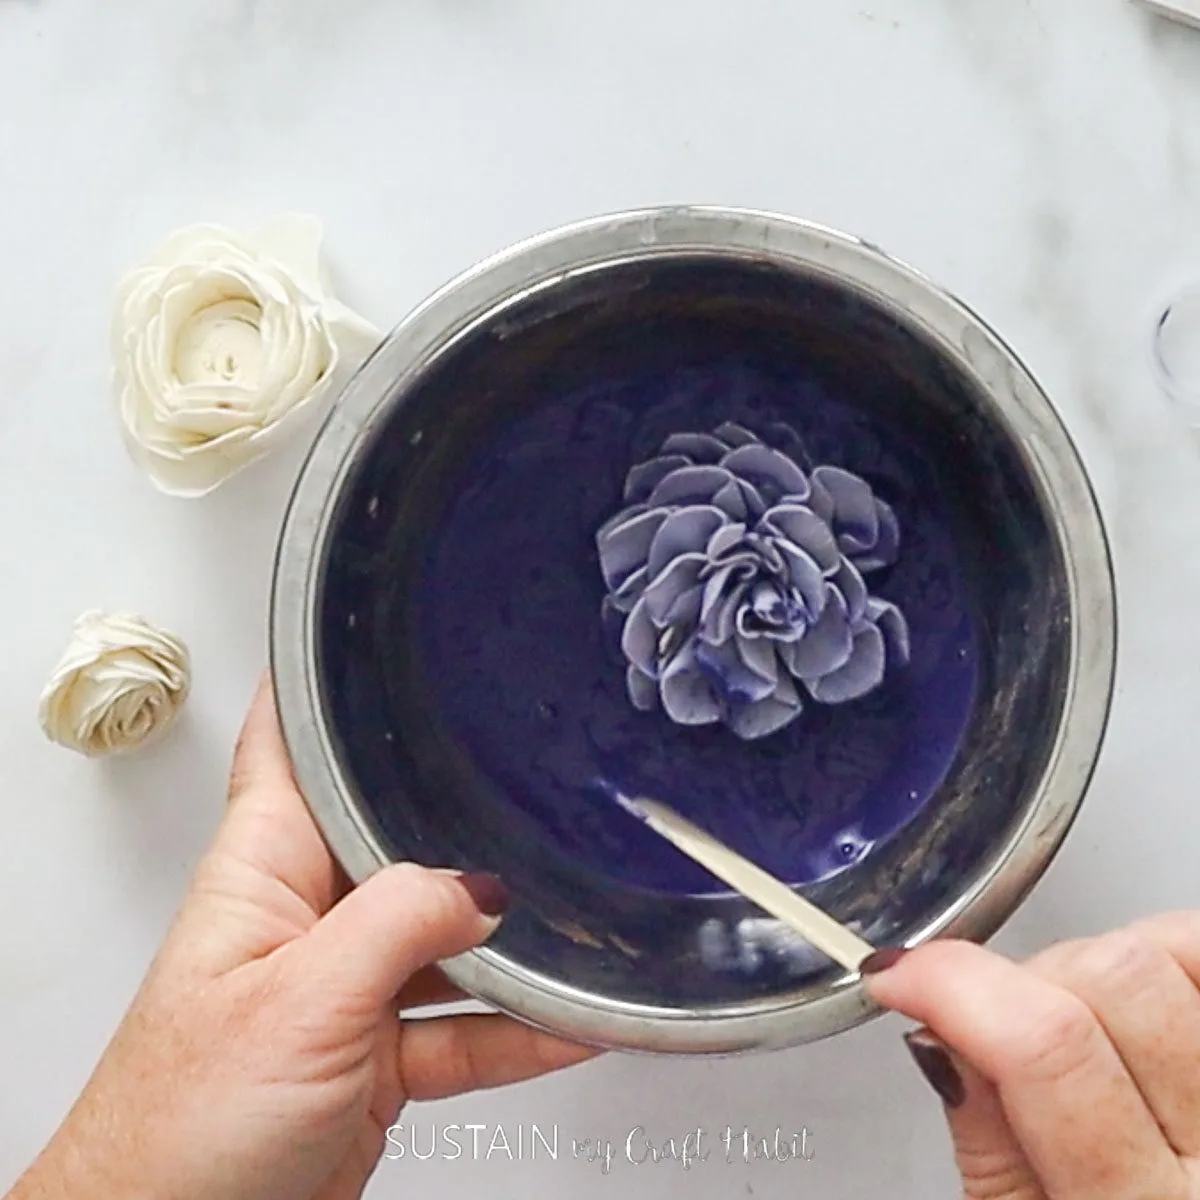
[[939, 318]]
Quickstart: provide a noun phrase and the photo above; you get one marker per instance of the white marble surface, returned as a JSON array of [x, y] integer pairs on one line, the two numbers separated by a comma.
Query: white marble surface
[[1041, 157]]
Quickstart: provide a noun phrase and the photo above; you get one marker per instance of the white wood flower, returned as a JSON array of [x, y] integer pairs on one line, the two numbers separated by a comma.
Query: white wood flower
[[220, 343], [120, 683]]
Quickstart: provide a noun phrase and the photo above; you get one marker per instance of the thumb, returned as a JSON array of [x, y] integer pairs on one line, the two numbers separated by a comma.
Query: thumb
[[988, 1155], [401, 919]]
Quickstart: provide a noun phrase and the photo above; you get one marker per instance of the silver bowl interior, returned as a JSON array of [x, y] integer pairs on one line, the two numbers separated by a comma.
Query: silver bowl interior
[[591, 950]]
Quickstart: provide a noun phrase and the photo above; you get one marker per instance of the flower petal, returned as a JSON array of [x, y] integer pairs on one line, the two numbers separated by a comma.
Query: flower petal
[[781, 708], [729, 499], [639, 639], [768, 602], [729, 675], [680, 575], [715, 587], [619, 518], [766, 613], [854, 591], [723, 623], [783, 437], [772, 473], [887, 545], [793, 631], [630, 592], [768, 553], [701, 448], [642, 689], [686, 530], [221, 344], [752, 498], [624, 548], [723, 596], [689, 485], [645, 477], [686, 694], [759, 656], [735, 435], [800, 525], [685, 612], [861, 673], [745, 561], [856, 519], [820, 501], [741, 501], [805, 576], [826, 646], [724, 540], [894, 627]]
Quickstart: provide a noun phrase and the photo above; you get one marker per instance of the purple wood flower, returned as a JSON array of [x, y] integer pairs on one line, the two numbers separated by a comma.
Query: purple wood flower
[[738, 580]]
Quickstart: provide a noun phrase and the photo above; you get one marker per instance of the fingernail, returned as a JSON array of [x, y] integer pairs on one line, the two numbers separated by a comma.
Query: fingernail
[[487, 891], [938, 1067], [881, 960]]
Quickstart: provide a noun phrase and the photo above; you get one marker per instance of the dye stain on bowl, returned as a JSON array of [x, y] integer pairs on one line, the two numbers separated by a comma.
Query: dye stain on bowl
[[473, 694]]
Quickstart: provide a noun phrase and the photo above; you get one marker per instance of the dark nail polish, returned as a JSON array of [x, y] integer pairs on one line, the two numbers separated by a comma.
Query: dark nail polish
[[938, 1067], [881, 960], [487, 891]]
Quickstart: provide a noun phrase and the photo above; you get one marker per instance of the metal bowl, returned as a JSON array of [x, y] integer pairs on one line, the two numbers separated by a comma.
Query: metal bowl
[[591, 949]]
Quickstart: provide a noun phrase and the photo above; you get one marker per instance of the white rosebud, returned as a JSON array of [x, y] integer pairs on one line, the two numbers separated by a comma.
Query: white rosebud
[[120, 682], [220, 343]]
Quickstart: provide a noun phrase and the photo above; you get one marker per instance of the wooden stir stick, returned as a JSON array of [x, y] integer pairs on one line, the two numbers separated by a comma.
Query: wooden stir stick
[[844, 946]]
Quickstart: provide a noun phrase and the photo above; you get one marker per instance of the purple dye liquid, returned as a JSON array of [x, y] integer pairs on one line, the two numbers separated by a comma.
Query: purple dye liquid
[[526, 682]]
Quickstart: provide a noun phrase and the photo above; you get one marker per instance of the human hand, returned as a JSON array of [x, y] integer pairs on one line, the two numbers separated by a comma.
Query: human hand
[[1073, 1076], [262, 1057]]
